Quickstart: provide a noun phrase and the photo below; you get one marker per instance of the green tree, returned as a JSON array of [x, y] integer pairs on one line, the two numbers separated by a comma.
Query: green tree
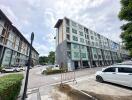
[[51, 57], [126, 15], [43, 60]]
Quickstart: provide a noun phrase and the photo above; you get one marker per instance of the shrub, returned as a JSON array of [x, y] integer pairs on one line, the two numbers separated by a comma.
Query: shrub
[[0, 68], [55, 71], [10, 86]]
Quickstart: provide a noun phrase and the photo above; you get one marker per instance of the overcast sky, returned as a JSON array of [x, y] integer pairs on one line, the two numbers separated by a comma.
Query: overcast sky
[[40, 16]]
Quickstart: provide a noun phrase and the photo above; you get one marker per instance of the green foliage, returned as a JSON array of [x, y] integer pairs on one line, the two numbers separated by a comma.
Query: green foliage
[[55, 71], [10, 86], [43, 60], [0, 68], [50, 59], [126, 15]]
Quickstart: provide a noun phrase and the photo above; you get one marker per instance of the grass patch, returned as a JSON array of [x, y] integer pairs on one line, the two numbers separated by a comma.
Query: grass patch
[[10, 86]]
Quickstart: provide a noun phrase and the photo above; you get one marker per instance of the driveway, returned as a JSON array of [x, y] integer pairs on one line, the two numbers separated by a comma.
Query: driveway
[[36, 79]]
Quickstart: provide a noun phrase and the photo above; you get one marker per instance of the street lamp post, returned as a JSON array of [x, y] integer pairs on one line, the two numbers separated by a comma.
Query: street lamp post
[[28, 67]]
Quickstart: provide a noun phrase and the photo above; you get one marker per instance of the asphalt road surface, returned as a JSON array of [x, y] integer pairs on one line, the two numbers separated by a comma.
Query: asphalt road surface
[[36, 79]]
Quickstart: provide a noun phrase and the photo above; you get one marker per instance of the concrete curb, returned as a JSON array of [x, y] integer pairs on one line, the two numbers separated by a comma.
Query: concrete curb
[[86, 94]]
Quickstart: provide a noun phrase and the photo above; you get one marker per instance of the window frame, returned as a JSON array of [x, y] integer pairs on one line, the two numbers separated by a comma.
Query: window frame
[[109, 71], [125, 71]]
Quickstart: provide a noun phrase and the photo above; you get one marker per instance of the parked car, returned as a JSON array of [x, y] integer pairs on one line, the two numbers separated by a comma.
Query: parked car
[[119, 74], [56, 66], [19, 68], [8, 69]]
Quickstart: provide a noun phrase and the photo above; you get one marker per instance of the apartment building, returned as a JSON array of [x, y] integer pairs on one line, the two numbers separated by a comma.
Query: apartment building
[[14, 48], [79, 47]]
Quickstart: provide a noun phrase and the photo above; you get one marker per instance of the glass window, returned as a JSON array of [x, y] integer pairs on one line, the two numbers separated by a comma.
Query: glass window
[[87, 36], [81, 33], [75, 46], [112, 69], [92, 37], [82, 47], [75, 38], [80, 27], [82, 40], [68, 36], [99, 56], [83, 55], [67, 29], [125, 70], [74, 31], [76, 54], [95, 56], [74, 24], [67, 21]]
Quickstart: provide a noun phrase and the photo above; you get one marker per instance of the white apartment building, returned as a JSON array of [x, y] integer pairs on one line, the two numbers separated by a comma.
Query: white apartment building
[[79, 47]]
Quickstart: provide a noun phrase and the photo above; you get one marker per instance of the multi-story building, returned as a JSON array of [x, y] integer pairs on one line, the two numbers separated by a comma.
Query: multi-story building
[[14, 48], [79, 47]]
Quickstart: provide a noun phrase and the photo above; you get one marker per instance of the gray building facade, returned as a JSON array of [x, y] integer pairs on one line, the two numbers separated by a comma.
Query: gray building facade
[[14, 48], [79, 47]]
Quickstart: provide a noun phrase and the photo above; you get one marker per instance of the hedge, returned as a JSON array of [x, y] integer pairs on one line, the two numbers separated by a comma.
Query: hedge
[[10, 86], [55, 71]]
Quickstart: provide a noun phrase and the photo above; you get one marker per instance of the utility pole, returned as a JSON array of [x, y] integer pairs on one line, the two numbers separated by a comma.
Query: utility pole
[[28, 67]]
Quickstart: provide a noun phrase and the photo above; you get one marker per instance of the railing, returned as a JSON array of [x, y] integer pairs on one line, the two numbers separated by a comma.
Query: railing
[[68, 77]]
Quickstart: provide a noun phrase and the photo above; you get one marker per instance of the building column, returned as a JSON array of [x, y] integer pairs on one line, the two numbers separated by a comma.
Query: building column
[[10, 58], [2, 55], [90, 56], [103, 57], [111, 57]]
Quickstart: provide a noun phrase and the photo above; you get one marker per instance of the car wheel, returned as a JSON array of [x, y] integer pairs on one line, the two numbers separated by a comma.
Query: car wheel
[[2, 71], [99, 79]]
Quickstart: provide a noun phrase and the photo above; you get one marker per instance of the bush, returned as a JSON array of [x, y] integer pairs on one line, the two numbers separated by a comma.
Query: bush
[[0, 68], [55, 71], [10, 86]]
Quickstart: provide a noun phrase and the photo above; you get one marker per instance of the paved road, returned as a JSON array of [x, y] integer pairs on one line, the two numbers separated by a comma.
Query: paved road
[[36, 79]]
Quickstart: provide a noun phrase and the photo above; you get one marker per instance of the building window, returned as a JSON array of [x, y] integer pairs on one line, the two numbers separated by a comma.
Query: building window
[[67, 29], [81, 33], [83, 55], [74, 24], [82, 47], [68, 36], [95, 56], [86, 30], [74, 31], [82, 40], [76, 54], [67, 22], [75, 46], [96, 43], [80, 27], [92, 37], [99, 56], [93, 43], [75, 38], [87, 36]]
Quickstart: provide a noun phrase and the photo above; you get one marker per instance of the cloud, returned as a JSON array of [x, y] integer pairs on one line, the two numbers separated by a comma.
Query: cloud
[[40, 16]]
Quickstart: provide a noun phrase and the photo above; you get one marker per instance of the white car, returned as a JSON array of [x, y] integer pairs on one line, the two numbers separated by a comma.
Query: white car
[[9, 69], [119, 74]]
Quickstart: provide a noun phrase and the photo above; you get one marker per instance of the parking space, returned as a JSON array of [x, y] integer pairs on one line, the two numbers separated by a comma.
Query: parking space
[[103, 91]]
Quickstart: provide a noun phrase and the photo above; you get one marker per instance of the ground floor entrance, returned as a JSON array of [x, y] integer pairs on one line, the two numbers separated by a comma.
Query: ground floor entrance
[[76, 64]]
